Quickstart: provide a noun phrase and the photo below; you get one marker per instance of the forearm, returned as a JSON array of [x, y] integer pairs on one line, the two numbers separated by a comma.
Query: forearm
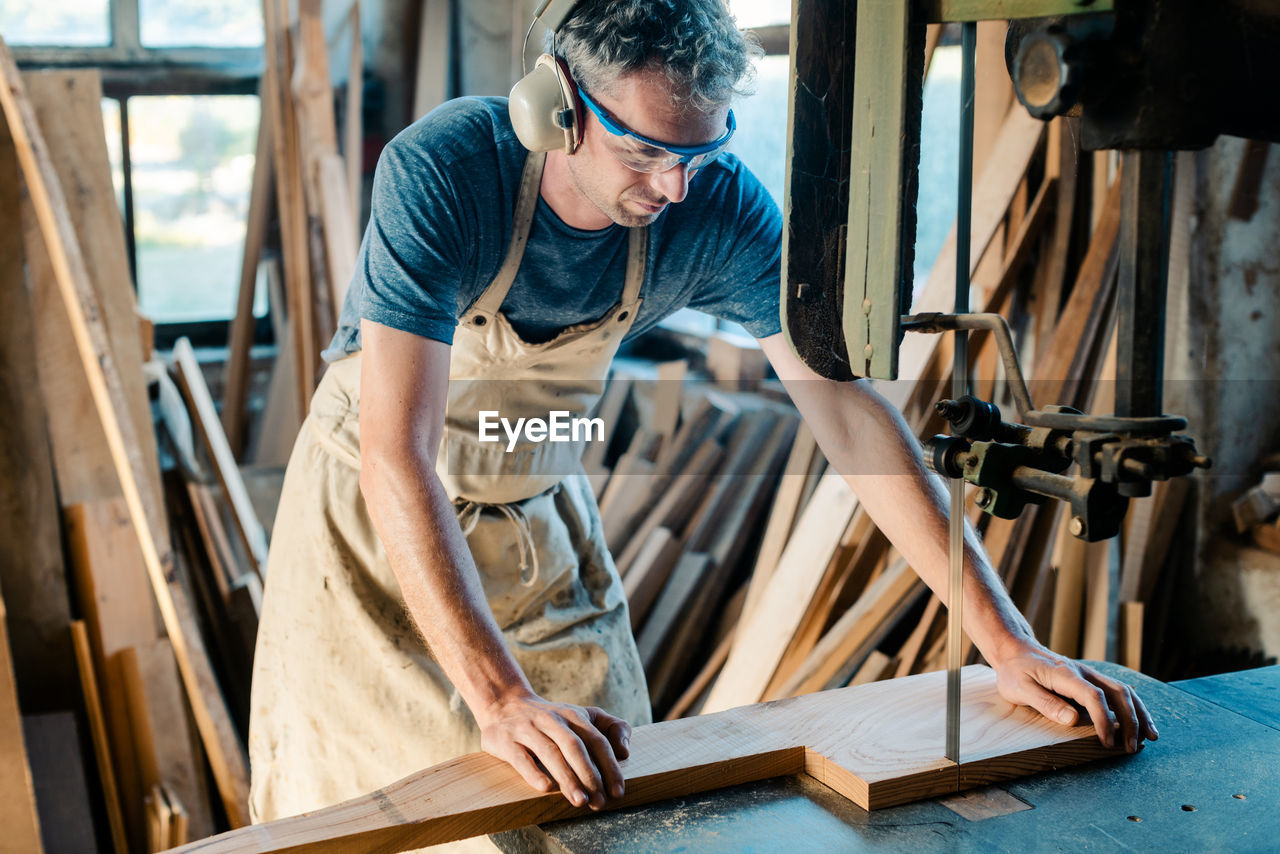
[[872, 447], [442, 592]]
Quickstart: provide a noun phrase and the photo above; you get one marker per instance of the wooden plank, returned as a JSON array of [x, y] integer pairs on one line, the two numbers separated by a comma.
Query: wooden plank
[[324, 176], [1151, 532], [787, 505], [18, 814], [289, 197], [878, 745], [281, 419], [877, 666], [98, 360], [113, 595], [686, 702], [180, 820], [1131, 634], [993, 191], [160, 730], [101, 742], [993, 91], [353, 133], [1097, 613], [610, 408], [664, 617], [668, 393], [680, 495], [736, 502], [240, 333], [857, 631], [431, 83], [763, 637], [919, 637], [32, 574], [647, 575], [735, 362], [1070, 554], [191, 380], [68, 109]]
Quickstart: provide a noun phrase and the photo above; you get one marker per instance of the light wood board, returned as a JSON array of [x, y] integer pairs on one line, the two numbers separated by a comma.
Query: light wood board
[[878, 745], [84, 310]]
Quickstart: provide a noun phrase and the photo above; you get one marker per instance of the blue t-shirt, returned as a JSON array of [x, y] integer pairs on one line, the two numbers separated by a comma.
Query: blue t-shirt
[[443, 199]]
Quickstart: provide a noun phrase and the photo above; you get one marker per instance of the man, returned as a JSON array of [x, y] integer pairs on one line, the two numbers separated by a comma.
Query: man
[[430, 594]]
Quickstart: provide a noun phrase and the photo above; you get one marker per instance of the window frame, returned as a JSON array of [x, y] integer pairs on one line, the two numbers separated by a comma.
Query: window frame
[[130, 68]]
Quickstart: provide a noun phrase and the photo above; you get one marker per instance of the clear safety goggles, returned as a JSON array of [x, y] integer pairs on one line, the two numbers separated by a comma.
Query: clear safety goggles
[[643, 154]]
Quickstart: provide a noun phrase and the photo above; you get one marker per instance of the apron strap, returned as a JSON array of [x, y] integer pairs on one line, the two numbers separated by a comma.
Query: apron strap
[[637, 260], [526, 203]]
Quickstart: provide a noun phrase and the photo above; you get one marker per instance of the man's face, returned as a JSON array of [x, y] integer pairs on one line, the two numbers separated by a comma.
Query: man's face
[[641, 102]]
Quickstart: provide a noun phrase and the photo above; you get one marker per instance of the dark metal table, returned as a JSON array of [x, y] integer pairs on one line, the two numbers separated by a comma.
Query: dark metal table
[[1211, 783]]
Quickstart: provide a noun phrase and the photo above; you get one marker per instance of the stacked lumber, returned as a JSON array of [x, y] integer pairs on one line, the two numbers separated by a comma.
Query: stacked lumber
[[316, 198], [827, 601], [91, 534], [684, 500]]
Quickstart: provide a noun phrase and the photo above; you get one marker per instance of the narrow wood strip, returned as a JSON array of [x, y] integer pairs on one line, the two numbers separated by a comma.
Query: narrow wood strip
[[240, 338], [786, 508], [191, 379], [18, 814], [353, 145], [763, 638], [91, 342], [101, 741]]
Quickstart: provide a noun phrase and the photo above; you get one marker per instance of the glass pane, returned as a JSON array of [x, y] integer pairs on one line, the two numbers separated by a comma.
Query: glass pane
[[55, 22], [761, 13], [111, 124], [203, 23], [761, 140], [192, 168], [939, 149]]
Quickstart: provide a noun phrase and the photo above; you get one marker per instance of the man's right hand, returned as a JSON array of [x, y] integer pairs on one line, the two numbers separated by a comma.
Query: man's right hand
[[556, 744]]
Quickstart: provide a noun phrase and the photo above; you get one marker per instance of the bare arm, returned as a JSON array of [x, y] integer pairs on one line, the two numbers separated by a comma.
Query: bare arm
[[404, 380], [869, 443]]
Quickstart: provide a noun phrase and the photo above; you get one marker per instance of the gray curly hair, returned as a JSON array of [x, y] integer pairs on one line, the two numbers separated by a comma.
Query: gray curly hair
[[695, 43]]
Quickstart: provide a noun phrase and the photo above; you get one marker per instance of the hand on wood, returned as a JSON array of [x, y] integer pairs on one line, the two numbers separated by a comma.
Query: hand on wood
[[556, 744], [1050, 683]]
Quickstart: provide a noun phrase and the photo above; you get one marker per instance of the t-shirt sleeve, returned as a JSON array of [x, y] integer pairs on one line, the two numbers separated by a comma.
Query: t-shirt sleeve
[[744, 285], [413, 258]]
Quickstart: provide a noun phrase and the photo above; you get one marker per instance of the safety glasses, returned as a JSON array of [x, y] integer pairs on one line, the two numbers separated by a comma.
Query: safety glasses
[[643, 154]]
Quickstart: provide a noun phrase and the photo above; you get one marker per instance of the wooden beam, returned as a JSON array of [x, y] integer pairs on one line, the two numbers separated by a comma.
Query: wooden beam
[[878, 745], [18, 814], [101, 741], [289, 197], [240, 339], [32, 573], [762, 640], [192, 382], [84, 310]]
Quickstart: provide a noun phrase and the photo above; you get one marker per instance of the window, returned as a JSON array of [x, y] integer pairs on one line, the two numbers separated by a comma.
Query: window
[[55, 22], [181, 120]]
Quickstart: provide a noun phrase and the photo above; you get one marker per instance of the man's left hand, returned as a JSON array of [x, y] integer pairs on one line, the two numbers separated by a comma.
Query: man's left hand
[[1041, 679]]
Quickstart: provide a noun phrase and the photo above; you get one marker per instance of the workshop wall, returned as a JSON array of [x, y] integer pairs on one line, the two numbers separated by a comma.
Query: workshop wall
[[1223, 362]]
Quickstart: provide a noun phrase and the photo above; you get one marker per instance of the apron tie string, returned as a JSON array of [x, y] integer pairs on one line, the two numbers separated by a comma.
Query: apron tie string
[[469, 517]]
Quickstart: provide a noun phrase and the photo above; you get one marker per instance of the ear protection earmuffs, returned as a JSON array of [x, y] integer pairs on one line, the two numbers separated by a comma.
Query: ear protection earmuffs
[[544, 106]]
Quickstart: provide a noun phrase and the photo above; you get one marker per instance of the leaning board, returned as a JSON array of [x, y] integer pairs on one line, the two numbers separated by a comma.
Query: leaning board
[[878, 745]]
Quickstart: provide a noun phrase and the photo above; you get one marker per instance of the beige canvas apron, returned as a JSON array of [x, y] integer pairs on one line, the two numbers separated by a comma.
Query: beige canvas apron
[[346, 698]]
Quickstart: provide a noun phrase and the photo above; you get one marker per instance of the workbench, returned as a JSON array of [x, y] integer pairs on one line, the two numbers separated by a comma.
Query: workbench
[[1210, 783]]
